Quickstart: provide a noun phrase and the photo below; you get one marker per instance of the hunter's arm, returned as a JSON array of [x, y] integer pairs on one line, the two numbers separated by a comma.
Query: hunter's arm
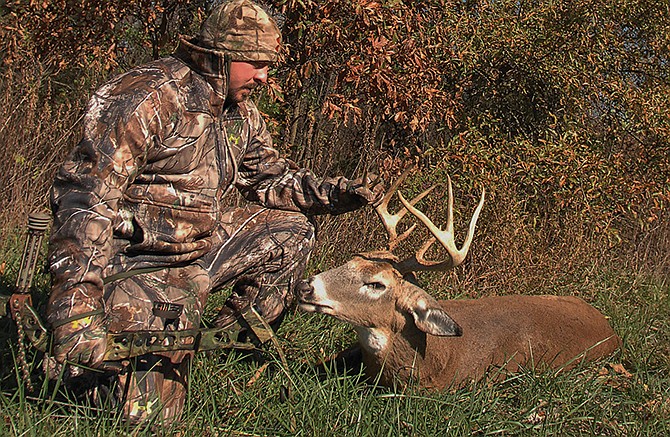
[[85, 201]]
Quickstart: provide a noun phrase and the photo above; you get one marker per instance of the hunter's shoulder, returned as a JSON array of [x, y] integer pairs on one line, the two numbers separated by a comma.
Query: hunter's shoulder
[[144, 79]]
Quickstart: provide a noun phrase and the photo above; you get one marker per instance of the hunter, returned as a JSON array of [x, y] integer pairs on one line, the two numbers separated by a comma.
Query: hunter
[[142, 234]]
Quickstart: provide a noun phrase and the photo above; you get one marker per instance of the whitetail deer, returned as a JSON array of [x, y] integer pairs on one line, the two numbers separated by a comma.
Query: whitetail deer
[[406, 335]]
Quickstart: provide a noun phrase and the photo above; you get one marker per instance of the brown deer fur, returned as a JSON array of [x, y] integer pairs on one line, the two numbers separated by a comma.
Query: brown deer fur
[[406, 335]]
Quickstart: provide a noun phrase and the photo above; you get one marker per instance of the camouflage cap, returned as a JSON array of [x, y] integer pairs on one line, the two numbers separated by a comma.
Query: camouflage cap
[[243, 30]]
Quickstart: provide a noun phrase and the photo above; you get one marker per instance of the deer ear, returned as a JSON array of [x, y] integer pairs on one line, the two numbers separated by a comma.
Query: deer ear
[[435, 321], [428, 315]]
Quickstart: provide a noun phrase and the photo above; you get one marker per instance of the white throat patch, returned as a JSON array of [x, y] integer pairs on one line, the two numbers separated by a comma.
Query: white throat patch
[[373, 339]]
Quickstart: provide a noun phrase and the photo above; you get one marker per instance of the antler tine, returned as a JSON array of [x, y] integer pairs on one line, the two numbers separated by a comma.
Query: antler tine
[[390, 221], [446, 237], [366, 183]]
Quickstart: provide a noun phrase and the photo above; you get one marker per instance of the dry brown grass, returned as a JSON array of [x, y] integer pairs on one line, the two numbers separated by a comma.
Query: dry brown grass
[[37, 128]]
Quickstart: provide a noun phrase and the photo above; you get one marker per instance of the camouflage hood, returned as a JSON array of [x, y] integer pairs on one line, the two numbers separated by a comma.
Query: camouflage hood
[[243, 31], [238, 31], [209, 63]]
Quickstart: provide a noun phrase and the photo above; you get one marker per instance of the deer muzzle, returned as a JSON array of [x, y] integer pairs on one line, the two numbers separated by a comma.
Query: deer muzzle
[[313, 298]]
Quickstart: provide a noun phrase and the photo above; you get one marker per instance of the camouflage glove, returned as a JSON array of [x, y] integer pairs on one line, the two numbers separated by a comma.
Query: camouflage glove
[[369, 191], [78, 323], [81, 340]]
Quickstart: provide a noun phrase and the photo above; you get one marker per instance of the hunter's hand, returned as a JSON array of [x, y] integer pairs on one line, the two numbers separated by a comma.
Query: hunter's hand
[[82, 341], [371, 190]]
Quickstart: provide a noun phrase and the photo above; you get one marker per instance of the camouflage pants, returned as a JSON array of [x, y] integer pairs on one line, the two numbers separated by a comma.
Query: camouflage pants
[[262, 252]]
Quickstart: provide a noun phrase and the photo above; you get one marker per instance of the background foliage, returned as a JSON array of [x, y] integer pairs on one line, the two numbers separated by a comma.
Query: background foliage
[[559, 109]]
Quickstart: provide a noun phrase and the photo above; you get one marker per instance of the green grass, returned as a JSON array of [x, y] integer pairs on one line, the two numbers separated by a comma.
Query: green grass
[[627, 394]]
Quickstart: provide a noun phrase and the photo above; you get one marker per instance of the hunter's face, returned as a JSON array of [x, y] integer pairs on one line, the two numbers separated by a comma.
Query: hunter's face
[[243, 78]]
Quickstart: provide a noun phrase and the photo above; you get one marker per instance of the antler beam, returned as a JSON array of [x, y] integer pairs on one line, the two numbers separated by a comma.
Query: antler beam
[[445, 237], [390, 221]]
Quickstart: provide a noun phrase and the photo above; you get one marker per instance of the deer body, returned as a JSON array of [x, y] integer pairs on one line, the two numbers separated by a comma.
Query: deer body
[[517, 332], [406, 335]]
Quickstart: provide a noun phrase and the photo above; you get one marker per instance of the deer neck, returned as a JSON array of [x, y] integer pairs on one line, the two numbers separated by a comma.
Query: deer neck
[[375, 341], [393, 355], [404, 340]]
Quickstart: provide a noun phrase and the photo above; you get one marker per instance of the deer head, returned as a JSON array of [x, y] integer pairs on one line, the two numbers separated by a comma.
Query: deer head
[[375, 291]]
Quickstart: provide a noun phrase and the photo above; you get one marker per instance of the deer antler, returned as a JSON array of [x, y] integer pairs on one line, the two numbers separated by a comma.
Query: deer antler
[[445, 237], [390, 221]]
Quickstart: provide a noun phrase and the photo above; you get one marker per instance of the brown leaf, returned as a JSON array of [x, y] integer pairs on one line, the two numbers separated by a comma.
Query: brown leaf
[[621, 370], [258, 374]]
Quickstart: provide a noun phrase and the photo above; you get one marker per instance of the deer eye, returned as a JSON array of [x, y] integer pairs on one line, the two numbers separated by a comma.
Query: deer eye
[[375, 286], [373, 289]]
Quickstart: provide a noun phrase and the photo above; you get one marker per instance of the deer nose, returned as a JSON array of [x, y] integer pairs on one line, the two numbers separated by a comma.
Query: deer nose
[[304, 288]]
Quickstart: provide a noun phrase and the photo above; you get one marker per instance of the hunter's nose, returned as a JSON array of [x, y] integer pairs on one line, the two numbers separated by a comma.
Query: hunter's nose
[[304, 288]]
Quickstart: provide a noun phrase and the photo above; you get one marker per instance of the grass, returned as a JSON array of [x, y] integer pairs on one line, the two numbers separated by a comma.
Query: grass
[[626, 395]]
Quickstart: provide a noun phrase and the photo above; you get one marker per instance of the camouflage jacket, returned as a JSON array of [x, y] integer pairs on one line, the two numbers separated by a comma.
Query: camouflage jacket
[[158, 155]]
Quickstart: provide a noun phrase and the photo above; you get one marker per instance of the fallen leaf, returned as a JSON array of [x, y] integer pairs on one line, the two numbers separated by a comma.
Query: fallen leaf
[[621, 370], [257, 375], [536, 417]]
